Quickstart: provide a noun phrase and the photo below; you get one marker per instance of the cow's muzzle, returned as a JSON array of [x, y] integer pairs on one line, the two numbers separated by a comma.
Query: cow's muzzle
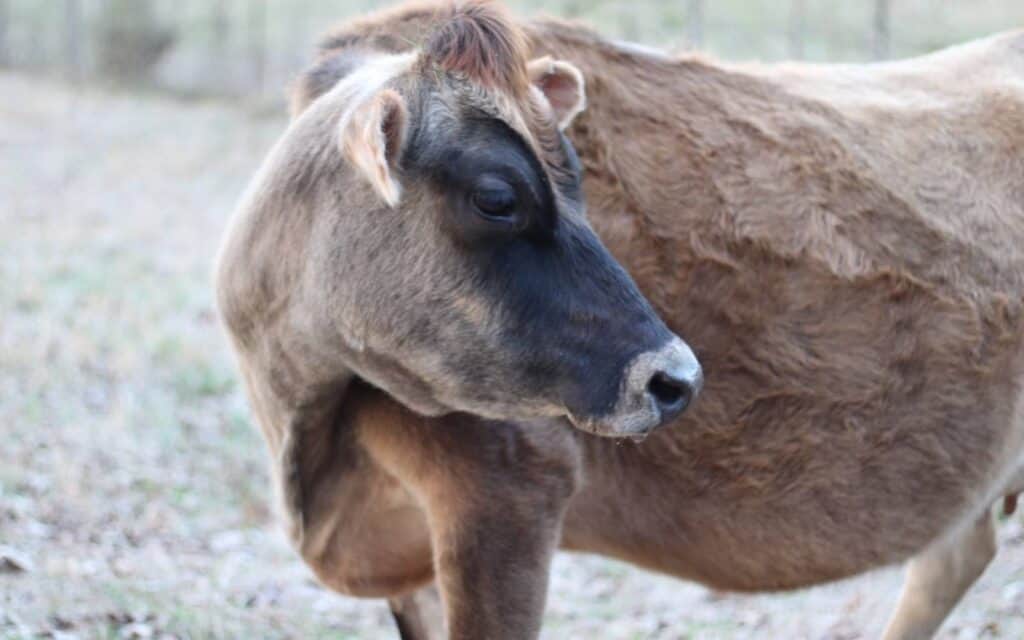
[[657, 387]]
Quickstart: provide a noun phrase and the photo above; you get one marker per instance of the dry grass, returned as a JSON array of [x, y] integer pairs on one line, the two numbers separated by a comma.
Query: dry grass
[[133, 490]]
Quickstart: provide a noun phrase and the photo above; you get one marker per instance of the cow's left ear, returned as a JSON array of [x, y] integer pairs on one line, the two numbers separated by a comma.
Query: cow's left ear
[[562, 86], [372, 139]]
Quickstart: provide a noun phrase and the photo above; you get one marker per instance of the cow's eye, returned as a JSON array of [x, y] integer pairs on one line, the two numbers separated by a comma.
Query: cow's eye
[[495, 200]]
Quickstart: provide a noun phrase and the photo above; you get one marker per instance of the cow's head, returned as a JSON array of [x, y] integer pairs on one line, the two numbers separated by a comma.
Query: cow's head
[[448, 253]]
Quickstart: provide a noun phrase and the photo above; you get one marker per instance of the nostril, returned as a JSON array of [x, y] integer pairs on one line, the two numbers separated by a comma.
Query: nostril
[[671, 394]]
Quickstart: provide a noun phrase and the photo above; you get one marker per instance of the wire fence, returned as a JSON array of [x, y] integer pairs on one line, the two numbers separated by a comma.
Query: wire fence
[[254, 47]]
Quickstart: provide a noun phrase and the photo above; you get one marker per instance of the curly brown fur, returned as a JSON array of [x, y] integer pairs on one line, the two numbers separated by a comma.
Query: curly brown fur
[[478, 39]]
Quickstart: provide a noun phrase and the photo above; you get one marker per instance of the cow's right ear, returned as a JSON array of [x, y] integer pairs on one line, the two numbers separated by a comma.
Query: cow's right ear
[[561, 83], [372, 137]]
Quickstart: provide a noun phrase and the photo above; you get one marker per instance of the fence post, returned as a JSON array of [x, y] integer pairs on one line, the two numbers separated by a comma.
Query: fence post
[[73, 40], [221, 73], [257, 15], [880, 32], [5, 32], [218, 27], [301, 51], [797, 27], [695, 23]]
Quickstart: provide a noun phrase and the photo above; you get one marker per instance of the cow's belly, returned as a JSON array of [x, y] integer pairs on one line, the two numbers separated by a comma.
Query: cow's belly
[[845, 424], [771, 512]]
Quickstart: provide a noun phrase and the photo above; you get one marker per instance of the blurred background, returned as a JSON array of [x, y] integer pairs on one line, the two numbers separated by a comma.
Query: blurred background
[[134, 498], [252, 48]]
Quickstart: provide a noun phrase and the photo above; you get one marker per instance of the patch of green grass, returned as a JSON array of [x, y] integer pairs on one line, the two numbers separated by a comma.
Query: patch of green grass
[[203, 379]]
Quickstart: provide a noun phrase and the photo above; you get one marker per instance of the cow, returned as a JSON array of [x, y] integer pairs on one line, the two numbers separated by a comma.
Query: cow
[[841, 245]]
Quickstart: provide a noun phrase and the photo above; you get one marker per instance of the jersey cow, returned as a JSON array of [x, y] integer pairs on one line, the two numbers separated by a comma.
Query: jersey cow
[[418, 304]]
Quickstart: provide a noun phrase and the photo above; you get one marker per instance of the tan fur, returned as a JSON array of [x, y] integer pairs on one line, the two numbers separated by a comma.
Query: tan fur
[[844, 247], [419, 615], [563, 86], [477, 39], [369, 139], [937, 578]]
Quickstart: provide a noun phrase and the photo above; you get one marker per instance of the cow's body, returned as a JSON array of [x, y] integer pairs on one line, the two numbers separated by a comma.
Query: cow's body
[[844, 248]]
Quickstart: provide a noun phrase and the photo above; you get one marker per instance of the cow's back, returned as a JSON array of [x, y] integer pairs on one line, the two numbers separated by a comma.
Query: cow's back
[[944, 133], [912, 166]]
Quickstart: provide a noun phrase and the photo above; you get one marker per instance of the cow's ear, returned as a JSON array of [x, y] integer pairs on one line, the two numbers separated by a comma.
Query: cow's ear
[[372, 137], [562, 86]]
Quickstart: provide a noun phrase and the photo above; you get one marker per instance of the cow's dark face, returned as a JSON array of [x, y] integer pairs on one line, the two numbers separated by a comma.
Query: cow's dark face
[[453, 260]]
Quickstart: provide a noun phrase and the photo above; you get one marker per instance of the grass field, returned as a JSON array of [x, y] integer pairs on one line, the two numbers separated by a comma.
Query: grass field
[[133, 489]]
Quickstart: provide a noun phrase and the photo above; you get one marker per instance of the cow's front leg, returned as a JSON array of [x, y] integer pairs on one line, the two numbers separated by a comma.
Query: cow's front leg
[[492, 563], [419, 615], [494, 495]]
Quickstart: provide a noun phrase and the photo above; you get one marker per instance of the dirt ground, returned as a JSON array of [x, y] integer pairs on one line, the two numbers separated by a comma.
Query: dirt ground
[[133, 489]]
